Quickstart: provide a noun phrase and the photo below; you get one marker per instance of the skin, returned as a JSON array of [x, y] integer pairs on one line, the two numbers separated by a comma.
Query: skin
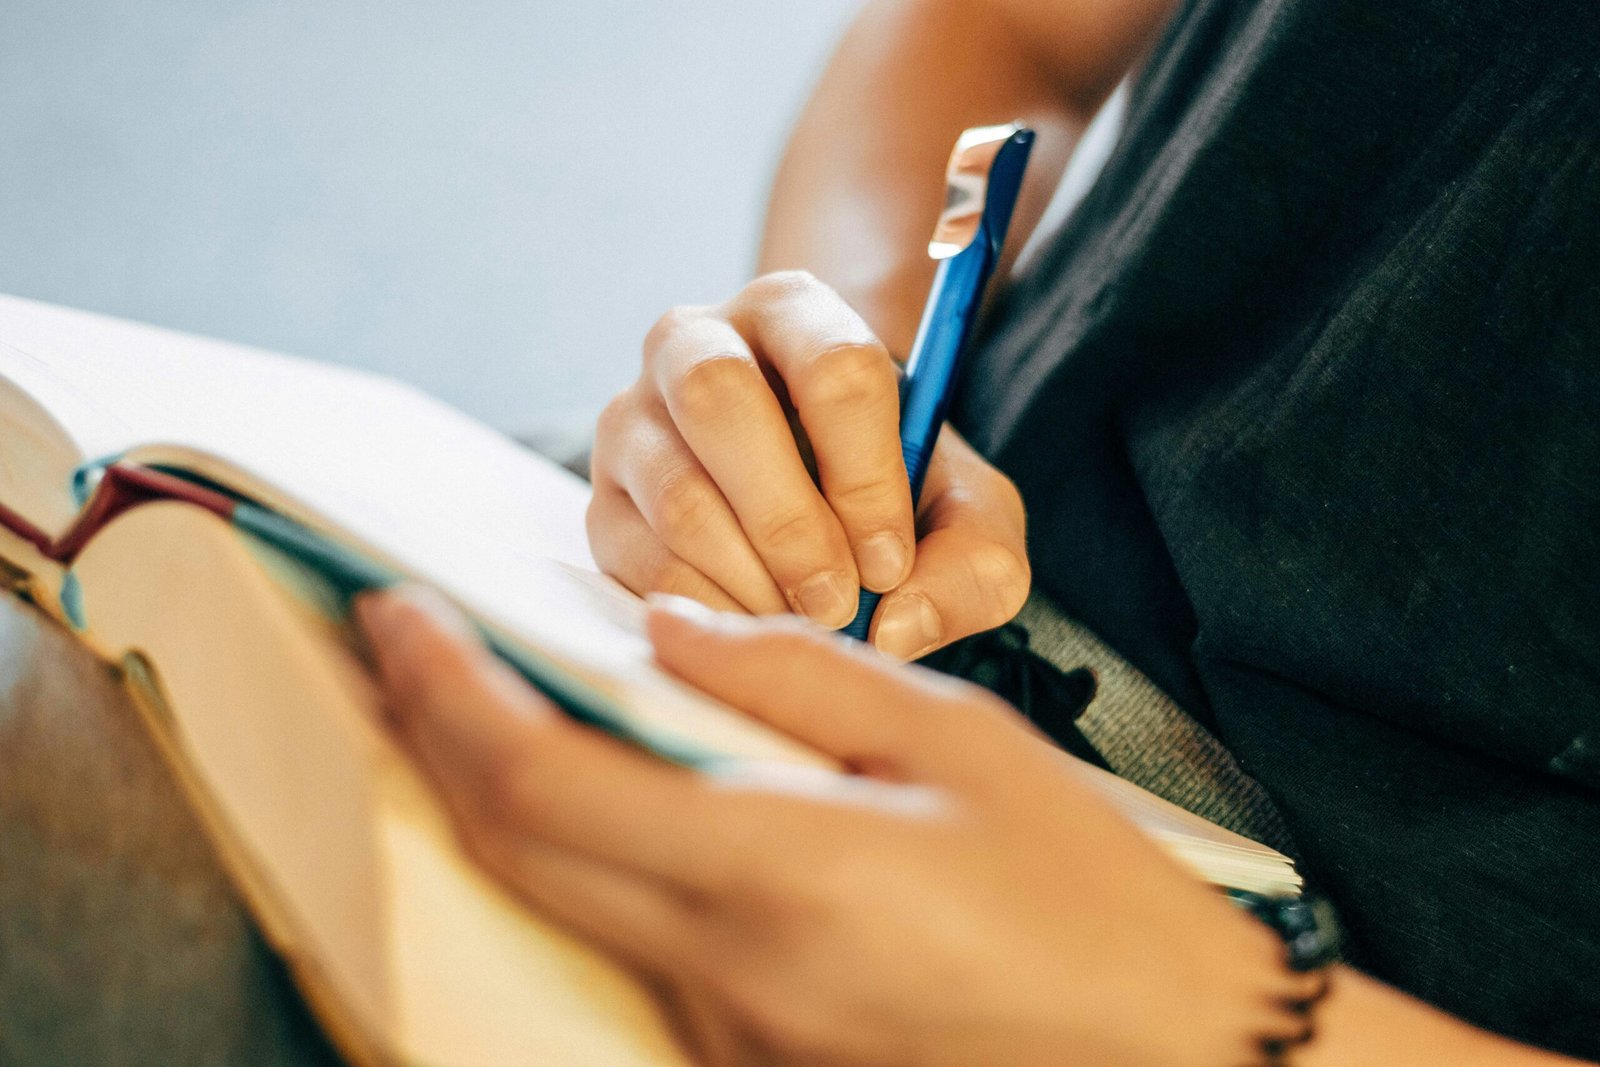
[[930, 903], [755, 464], [955, 894]]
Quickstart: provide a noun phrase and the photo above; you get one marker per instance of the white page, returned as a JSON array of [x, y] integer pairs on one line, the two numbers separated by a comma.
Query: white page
[[353, 446], [376, 464]]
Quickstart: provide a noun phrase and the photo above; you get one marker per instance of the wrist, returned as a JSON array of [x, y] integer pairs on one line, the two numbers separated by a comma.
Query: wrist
[[1229, 999]]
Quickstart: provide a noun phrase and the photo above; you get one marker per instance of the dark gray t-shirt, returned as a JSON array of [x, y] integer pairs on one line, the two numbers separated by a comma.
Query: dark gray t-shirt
[[1305, 404]]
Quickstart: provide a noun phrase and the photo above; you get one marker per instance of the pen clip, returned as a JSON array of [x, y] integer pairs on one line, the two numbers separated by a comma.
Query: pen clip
[[980, 187]]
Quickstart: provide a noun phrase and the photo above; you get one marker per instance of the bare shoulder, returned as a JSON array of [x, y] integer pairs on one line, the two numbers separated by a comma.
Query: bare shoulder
[[1085, 46]]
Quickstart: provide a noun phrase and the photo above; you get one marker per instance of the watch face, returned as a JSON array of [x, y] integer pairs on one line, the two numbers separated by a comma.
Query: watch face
[[1308, 926]]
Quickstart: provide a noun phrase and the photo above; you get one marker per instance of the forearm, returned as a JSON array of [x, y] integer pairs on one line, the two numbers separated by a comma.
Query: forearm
[[863, 176], [1209, 1014], [1364, 1021]]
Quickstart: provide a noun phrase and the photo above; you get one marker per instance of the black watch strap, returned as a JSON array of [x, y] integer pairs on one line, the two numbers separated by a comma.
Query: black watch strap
[[1307, 926], [1310, 936]]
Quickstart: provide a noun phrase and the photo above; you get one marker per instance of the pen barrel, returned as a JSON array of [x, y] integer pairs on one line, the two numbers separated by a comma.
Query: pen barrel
[[947, 322], [925, 392], [918, 454], [936, 355], [862, 623]]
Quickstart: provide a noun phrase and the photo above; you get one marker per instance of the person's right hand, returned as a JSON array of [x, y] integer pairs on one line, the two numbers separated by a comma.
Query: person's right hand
[[755, 465]]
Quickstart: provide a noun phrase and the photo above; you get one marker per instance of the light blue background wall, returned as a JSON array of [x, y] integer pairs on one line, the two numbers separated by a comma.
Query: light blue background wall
[[492, 199]]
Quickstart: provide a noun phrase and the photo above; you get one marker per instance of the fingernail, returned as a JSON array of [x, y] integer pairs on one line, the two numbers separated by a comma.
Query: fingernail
[[829, 599], [387, 615], [908, 627], [882, 559]]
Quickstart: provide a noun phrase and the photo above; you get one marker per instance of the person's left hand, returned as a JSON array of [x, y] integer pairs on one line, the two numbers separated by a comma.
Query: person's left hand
[[959, 896]]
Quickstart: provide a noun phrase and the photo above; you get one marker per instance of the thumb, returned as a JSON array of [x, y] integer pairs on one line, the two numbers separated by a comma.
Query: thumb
[[971, 570], [837, 696]]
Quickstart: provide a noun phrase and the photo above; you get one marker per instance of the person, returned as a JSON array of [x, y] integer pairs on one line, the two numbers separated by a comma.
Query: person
[[1296, 411]]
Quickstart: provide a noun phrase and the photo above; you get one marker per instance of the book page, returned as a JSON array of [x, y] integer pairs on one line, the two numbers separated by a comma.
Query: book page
[[379, 467], [1217, 854], [343, 852], [365, 452]]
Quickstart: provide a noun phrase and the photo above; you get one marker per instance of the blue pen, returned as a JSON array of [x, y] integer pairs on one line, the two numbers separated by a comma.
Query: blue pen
[[982, 180]]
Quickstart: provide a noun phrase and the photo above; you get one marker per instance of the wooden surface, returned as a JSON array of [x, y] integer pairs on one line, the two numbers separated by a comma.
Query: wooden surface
[[121, 941]]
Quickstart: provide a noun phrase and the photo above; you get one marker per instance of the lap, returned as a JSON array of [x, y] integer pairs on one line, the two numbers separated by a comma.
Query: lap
[[121, 940]]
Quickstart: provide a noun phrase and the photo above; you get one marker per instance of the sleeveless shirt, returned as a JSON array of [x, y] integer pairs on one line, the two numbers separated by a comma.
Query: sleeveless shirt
[[1304, 401]]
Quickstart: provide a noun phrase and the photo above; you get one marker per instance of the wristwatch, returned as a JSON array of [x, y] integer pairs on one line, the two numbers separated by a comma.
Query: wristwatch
[[1310, 935], [1307, 926]]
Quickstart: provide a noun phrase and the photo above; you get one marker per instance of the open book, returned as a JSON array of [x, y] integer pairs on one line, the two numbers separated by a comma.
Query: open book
[[116, 441]]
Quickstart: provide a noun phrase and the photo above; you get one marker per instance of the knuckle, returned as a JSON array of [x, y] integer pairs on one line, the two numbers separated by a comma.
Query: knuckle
[[856, 377], [681, 509], [787, 528], [613, 426], [607, 541], [868, 498], [672, 324], [668, 574], [779, 285], [618, 537], [714, 386], [664, 575]]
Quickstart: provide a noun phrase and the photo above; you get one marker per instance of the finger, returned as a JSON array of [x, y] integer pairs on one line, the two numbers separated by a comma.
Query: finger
[[683, 506], [636, 920], [625, 547], [702, 1024], [507, 761], [729, 416], [833, 695], [846, 392], [971, 571]]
